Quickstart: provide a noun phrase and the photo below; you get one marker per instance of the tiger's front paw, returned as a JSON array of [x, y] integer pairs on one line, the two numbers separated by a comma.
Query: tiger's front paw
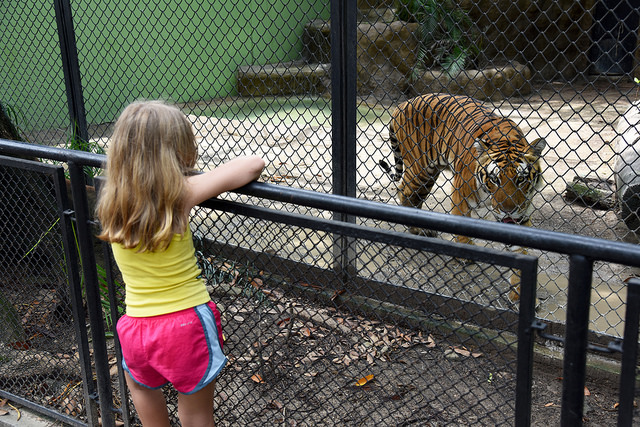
[[514, 291]]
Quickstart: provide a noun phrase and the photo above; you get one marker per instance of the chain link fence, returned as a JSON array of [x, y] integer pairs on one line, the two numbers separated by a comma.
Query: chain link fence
[[257, 77], [39, 346]]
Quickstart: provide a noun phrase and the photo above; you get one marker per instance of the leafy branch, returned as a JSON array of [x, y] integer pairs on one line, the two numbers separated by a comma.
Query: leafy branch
[[445, 34]]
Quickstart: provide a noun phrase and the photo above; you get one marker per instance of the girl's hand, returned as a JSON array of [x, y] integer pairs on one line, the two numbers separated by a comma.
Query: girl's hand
[[228, 176]]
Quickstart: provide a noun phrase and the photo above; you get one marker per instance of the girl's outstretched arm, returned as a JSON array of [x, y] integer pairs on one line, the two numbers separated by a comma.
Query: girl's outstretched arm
[[228, 176]]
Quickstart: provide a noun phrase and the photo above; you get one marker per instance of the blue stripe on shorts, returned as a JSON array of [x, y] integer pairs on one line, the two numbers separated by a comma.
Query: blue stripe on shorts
[[217, 359]]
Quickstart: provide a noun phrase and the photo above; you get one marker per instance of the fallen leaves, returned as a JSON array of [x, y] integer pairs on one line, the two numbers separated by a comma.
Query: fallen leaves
[[617, 405], [69, 399], [5, 402], [257, 378], [364, 380], [463, 351]]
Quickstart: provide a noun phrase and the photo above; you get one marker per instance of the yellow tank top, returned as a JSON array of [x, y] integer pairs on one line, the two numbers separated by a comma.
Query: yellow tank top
[[161, 282]]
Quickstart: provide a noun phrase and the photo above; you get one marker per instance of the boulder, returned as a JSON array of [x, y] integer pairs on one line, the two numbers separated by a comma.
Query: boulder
[[493, 83], [627, 167]]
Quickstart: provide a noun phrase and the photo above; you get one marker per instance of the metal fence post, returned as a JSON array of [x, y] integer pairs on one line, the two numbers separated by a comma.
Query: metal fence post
[[343, 104], [71, 69], [79, 318], [526, 334], [629, 354], [85, 241], [575, 346]]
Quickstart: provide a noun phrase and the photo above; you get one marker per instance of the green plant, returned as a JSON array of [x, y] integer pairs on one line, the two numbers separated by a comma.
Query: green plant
[[102, 279], [15, 117], [445, 34], [75, 142]]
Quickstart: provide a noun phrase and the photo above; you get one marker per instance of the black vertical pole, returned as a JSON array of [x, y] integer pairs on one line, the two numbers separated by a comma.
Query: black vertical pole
[[71, 69], [526, 334], [91, 287], [79, 315], [576, 336], [343, 104], [629, 354]]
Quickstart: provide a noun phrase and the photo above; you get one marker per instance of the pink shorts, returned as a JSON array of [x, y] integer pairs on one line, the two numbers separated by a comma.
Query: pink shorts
[[182, 348]]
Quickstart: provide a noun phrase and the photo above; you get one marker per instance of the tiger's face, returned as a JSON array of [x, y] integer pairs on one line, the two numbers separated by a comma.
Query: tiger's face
[[510, 176]]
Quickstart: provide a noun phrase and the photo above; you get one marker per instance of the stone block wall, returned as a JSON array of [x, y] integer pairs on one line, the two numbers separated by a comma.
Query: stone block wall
[[551, 36]]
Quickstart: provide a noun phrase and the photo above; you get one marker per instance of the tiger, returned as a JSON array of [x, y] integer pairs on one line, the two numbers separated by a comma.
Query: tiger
[[492, 163]]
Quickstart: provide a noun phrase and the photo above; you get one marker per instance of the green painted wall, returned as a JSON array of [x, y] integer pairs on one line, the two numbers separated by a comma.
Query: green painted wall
[[180, 50], [31, 77]]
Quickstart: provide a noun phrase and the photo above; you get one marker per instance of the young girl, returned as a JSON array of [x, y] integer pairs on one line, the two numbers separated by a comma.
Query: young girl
[[171, 332]]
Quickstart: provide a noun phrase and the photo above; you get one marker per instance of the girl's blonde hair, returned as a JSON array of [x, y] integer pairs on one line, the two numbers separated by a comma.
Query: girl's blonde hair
[[142, 202]]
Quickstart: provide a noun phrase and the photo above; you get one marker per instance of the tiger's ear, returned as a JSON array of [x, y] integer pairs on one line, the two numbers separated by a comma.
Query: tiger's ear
[[538, 146], [481, 147]]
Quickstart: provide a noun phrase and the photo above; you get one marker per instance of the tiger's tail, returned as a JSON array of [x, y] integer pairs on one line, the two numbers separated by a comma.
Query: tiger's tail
[[395, 147]]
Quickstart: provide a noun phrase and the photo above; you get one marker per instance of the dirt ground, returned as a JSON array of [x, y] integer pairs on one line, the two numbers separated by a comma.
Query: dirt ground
[[330, 366], [295, 363]]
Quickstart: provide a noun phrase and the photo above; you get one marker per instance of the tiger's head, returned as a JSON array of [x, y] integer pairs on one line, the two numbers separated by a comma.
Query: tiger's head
[[509, 173]]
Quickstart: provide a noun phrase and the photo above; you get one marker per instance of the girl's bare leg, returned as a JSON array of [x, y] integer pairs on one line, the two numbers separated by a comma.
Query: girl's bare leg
[[151, 405], [196, 410]]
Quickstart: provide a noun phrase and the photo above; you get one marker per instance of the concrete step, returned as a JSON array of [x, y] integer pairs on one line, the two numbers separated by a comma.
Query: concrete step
[[291, 78]]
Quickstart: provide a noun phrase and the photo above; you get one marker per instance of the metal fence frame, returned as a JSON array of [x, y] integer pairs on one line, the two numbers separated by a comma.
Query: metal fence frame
[[583, 252]]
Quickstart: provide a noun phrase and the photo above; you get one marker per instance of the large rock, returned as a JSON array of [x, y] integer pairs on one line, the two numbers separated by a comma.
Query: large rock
[[488, 84], [316, 42], [552, 37], [386, 65], [387, 54], [627, 168]]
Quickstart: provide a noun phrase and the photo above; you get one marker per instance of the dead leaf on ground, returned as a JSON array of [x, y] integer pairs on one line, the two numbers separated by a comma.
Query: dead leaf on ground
[[431, 343], [311, 357], [235, 278], [336, 294], [464, 352], [282, 322], [307, 285], [257, 378], [364, 380]]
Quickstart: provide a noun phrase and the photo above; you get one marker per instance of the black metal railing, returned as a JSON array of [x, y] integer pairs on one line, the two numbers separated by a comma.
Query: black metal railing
[[583, 253], [564, 73]]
